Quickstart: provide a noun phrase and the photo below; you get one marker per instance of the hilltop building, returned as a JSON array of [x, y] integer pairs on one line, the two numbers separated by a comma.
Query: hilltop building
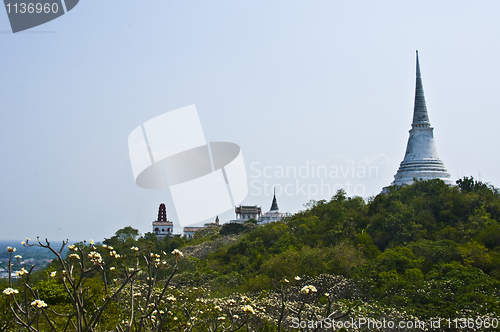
[[245, 212], [189, 231], [162, 226], [421, 160], [273, 214]]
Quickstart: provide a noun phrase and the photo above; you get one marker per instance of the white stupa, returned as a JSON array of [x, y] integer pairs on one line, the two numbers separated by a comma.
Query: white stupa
[[421, 160]]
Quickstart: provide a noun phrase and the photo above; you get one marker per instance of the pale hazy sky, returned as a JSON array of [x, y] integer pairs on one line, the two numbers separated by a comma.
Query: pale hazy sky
[[293, 83]]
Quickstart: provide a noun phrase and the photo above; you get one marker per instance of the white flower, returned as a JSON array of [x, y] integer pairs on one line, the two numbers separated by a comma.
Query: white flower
[[39, 304], [177, 253], [53, 274], [22, 272], [298, 278], [91, 242], [286, 281], [175, 318], [236, 316], [308, 289], [221, 318], [112, 268], [10, 291], [135, 248], [72, 247], [10, 249], [248, 309], [95, 257], [171, 298], [18, 256], [327, 294], [74, 256]]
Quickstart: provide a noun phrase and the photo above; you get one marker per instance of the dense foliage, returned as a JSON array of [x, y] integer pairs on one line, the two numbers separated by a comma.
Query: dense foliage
[[429, 248], [424, 250]]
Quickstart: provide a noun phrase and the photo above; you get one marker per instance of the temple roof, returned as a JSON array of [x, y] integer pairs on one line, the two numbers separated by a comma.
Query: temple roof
[[420, 115], [163, 223], [274, 206], [192, 229], [248, 209]]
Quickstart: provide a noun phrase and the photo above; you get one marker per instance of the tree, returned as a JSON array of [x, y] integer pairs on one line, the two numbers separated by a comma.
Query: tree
[[122, 235]]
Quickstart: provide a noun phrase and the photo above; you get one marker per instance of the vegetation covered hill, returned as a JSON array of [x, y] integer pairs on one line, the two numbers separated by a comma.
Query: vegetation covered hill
[[430, 248], [421, 251]]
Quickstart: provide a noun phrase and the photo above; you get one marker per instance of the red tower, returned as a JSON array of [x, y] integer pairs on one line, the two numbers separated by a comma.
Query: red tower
[[162, 213], [162, 226]]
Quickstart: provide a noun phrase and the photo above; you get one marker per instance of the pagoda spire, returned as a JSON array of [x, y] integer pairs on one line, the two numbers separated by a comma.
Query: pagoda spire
[[421, 160], [274, 206], [420, 116]]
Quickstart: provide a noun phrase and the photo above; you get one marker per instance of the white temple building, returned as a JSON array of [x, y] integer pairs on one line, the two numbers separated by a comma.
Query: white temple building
[[162, 226], [274, 213], [421, 160], [246, 212]]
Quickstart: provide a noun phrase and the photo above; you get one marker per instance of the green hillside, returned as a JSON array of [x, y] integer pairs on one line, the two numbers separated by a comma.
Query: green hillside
[[418, 253], [428, 248]]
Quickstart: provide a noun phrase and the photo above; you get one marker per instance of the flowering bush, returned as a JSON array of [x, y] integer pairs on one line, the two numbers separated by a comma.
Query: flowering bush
[[101, 294]]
